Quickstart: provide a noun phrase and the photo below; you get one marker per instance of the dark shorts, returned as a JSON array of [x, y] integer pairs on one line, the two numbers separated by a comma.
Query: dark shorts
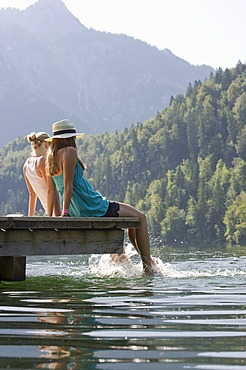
[[113, 210]]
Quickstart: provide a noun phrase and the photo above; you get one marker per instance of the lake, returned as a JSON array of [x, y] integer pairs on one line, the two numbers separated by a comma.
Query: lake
[[89, 312]]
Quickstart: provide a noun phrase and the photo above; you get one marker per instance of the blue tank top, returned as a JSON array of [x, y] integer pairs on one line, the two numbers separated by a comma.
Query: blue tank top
[[85, 201]]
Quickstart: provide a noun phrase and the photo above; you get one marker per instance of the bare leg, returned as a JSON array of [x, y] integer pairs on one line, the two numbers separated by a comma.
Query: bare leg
[[141, 239], [122, 257], [132, 237]]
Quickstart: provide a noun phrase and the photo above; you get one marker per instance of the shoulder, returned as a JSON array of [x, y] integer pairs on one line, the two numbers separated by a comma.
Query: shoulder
[[70, 150], [68, 153], [67, 157], [40, 166], [26, 163], [41, 161]]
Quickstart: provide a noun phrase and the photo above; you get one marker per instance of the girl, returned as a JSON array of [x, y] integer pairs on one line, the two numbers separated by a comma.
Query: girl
[[65, 171], [35, 176]]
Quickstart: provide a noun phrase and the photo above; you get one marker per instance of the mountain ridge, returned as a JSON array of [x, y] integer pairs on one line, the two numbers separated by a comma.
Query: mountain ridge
[[53, 67]]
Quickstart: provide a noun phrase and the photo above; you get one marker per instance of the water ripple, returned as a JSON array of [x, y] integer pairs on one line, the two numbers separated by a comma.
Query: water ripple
[[79, 312]]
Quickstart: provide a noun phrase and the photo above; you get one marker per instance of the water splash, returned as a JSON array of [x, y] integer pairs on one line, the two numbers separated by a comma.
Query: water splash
[[130, 266], [111, 265]]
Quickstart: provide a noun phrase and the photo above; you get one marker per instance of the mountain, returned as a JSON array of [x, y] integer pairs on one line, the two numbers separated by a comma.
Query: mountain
[[185, 167], [51, 67]]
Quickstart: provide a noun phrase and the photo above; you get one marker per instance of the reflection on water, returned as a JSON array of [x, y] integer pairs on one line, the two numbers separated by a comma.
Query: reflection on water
[[92, 313]]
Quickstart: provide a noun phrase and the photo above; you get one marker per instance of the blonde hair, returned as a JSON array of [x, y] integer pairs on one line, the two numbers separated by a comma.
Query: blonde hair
[[36, 139], [55, 145]]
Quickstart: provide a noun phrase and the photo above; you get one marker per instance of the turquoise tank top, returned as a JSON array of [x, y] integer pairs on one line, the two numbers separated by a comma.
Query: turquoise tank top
[[85, 201]]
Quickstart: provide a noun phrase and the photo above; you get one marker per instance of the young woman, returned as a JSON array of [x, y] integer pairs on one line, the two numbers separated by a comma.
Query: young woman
[[64, 170], [35, 176]]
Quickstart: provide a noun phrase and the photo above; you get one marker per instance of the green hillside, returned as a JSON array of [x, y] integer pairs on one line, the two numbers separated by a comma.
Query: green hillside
[[185, 168]]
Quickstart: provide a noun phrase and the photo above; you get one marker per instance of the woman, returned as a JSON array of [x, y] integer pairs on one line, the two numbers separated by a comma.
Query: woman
[[64, 170], [35, 176]]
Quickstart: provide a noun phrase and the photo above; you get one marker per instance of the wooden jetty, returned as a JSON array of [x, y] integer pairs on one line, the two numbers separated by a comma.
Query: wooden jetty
[[33, 236]]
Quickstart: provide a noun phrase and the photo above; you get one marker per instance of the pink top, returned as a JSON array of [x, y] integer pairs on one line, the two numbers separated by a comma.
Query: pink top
[[36, 182]]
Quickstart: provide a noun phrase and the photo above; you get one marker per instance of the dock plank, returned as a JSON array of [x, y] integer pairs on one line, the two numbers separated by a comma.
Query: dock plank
[[7, 223], [34, 236]]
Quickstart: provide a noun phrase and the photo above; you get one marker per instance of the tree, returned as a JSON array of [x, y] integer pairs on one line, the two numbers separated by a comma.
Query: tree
[[235, 220], [218, 185], [173, 229], [241, 143]]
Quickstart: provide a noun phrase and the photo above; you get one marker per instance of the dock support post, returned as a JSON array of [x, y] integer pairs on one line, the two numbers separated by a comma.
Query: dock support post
[[12, 268]]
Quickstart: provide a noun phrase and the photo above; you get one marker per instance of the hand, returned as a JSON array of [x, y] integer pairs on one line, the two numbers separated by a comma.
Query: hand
[[65, 213]]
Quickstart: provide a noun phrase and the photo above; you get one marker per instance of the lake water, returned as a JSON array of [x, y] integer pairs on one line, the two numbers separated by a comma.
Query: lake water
[[88, 312]]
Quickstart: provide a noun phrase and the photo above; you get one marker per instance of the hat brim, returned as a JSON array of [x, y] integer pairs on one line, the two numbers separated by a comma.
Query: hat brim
[[65, 136]]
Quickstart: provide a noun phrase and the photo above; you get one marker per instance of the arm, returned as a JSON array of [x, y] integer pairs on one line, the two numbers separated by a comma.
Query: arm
[[51, 194], [69, 157], [56, 210], [32, 195]]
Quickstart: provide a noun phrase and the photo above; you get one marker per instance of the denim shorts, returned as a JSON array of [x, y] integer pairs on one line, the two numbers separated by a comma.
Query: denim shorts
[[113, 210]]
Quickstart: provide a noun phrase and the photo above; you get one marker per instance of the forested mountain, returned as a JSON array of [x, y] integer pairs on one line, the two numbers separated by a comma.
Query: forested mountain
[[185, 167], [51, 67]]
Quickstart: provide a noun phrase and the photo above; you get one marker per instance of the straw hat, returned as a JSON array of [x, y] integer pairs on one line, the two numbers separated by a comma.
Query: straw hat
[[64, 129]]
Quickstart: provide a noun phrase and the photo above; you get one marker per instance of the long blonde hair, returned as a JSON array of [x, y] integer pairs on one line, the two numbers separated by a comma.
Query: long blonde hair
[[51, 159]]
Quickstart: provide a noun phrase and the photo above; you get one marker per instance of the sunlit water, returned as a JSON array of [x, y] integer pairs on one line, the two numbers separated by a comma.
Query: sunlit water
[[88, 312]]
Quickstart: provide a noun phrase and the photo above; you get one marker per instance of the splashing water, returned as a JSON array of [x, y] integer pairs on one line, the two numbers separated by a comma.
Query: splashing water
[[130, 266], [111, 265]]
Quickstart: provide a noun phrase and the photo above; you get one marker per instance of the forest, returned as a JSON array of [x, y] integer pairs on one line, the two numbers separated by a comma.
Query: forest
[[185, 167]]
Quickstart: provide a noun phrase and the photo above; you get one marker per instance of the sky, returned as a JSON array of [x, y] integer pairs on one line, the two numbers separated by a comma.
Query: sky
[[210, 32]]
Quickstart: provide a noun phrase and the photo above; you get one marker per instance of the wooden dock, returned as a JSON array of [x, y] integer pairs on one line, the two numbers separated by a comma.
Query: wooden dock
[[33, 236]]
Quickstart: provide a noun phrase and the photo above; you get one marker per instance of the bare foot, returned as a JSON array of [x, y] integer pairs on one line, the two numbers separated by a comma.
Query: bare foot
[[119, 258], [152, 269]]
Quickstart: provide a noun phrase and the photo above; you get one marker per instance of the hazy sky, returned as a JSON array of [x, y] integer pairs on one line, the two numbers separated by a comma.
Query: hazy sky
[[208, 32]]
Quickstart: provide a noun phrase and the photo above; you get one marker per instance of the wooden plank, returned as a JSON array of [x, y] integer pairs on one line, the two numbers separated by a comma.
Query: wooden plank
[[13, 268], [60, 242], [34, 223]]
